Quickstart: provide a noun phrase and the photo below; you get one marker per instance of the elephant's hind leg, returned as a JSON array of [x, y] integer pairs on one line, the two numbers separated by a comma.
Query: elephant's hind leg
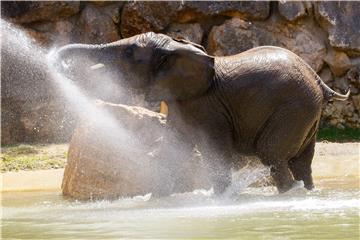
[[280, 139], [281, 176], [300, 166]]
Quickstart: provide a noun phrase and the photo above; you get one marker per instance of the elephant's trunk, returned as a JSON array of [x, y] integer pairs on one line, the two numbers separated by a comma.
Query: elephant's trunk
[[73, 56]]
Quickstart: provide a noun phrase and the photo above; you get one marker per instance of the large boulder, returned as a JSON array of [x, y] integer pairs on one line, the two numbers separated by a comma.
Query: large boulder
[[338, 62], [33, 109], [58, 33], [292, 11], [236, 35], [98, 26], [47, 121], [11, 128], [189, 31], [341, 20], [140, 17], [251, 10], [36, 11], [129, 152]]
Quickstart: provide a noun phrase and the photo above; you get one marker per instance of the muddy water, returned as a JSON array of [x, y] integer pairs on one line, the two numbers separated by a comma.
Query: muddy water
[[329, 212]]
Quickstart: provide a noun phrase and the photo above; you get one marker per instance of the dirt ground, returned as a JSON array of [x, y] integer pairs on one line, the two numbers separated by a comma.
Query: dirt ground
[[336, 159]]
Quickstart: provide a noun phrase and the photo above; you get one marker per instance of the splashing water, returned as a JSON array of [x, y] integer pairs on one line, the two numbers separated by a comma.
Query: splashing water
[[242, 212], [20, 47], [80, 103], [86, 107]]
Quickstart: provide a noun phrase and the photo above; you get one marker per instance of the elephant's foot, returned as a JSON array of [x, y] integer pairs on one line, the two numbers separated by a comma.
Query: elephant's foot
[[308, 182], [282, 178], [301, 166], [221, 181]]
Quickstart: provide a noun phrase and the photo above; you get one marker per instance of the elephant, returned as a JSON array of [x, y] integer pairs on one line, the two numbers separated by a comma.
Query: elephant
[[264, 102]]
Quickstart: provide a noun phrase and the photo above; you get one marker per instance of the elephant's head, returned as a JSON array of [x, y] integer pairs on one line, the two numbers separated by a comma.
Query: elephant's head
[[165, 68]]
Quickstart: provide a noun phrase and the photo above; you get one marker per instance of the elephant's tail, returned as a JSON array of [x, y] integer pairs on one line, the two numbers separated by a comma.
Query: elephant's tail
[[330, 94]]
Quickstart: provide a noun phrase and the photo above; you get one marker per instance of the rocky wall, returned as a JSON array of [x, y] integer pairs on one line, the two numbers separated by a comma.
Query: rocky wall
[[324, 34]]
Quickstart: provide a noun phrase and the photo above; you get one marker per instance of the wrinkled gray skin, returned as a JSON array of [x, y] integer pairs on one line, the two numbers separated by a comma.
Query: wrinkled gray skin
[[265, 101]]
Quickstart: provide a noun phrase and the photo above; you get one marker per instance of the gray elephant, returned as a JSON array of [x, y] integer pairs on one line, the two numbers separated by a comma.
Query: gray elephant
[[265, 101]]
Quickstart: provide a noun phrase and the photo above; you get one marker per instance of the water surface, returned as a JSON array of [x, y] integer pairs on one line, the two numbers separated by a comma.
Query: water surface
[[329, 212]]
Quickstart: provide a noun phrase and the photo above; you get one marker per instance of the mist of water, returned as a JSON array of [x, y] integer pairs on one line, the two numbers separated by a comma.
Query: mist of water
[[20, 47]]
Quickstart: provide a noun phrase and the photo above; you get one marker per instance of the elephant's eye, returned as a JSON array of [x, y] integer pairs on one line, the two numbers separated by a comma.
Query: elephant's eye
[[128, 52], [162, 61]]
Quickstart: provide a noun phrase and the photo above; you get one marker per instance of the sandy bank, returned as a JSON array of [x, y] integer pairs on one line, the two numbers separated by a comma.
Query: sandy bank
[[332, 161]]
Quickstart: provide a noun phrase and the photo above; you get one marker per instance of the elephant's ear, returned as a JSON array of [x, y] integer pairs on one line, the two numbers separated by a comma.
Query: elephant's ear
[[182, 74]]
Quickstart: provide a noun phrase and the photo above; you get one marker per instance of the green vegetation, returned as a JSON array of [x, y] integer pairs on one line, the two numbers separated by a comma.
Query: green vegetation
[[33, 157], [332, 134]]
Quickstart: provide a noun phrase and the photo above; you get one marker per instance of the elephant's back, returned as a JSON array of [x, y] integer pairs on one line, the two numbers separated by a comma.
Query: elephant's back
[[269, 69], [264, 79]]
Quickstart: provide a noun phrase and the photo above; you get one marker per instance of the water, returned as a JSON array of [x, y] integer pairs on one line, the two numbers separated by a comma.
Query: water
[[330, 212], [39, 65]]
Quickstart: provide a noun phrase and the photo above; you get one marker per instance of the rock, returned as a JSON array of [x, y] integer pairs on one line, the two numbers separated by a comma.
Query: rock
[[140, 17], [24, 73], [43, 121], [97, 27], [326, 76], [341, 114], [29, 94], [356, 101], [101, 3], [106, 161], [64, 32], [237, 35], [250, 10], [59, 33], [46, 121], [189, 32], [292, 11], [33, 11], [342, 84], [114, 11], [341, 21], [43, 39], [338, 62], [353, 75], [11, 130]]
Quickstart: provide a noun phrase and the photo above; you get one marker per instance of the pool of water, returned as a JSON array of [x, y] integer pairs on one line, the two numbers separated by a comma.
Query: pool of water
[[329, 212]]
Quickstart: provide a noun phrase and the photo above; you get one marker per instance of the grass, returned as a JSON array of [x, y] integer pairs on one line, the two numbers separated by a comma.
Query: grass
[[332, 134], [33, 157]]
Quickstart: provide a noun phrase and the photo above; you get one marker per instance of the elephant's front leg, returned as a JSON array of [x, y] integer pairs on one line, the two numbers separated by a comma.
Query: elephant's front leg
[[220, 173], [218, 163]]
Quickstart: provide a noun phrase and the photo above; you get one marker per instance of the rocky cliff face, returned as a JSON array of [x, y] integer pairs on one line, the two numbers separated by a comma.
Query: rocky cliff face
[[325, 34]]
